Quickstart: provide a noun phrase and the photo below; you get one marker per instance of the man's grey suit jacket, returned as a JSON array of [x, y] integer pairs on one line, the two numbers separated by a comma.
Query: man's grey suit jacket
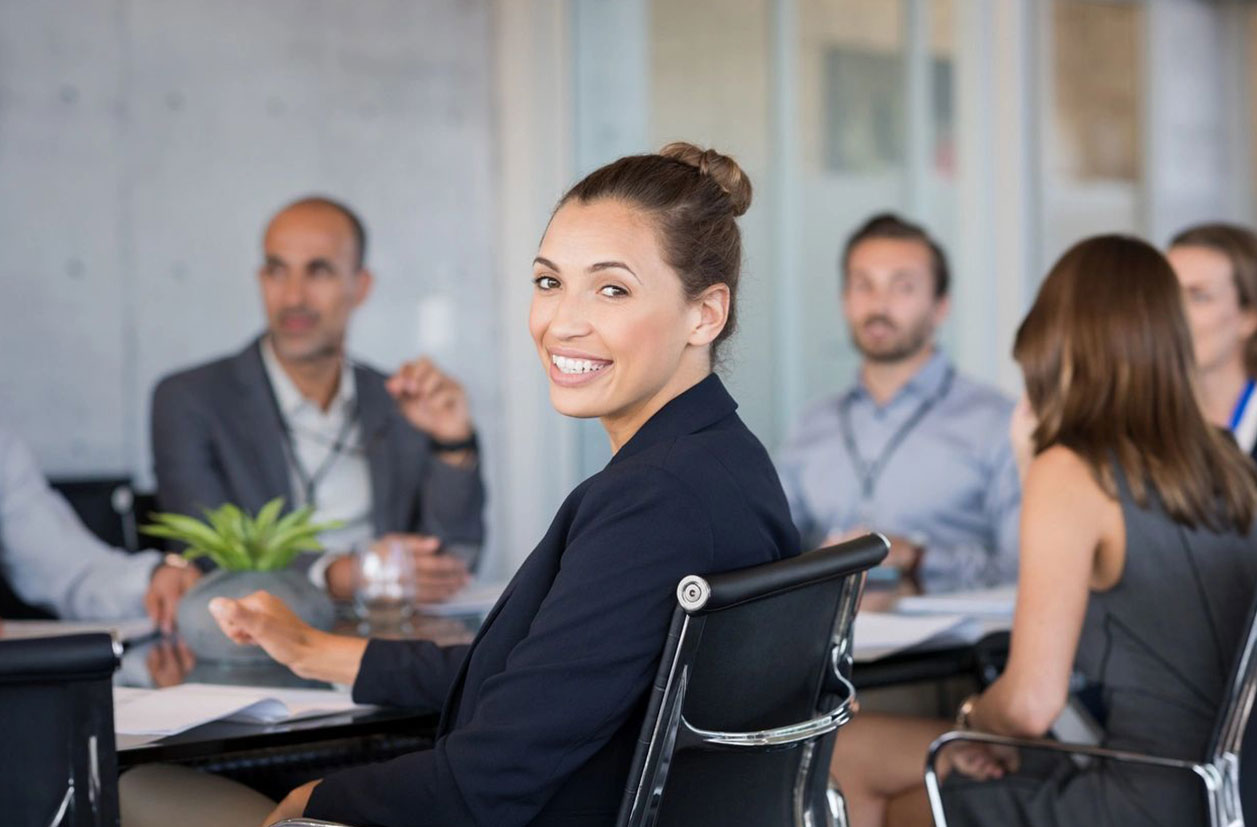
[[218, 437]]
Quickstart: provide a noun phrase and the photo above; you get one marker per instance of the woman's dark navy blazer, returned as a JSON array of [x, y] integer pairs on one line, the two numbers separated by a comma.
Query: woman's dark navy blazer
[[541, 714]]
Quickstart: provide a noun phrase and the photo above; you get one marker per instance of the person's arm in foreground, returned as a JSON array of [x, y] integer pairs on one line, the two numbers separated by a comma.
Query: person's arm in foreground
[[53, 560]]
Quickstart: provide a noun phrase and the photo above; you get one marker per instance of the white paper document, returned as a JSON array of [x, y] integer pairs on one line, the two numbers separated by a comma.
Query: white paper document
[[991, 603], [178, 708], [125, 630], [476, 598], [878, 634]]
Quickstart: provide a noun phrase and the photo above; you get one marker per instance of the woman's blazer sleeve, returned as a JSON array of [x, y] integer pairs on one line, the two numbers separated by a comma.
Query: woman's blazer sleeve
[[568, 686], [410, 673]]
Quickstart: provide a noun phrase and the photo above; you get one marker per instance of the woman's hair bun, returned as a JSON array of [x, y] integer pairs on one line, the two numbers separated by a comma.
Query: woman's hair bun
[[720, 168]]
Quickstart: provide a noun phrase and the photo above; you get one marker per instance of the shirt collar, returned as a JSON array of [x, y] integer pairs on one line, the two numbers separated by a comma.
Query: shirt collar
[[690, 411], [287, 395], [925, 382]]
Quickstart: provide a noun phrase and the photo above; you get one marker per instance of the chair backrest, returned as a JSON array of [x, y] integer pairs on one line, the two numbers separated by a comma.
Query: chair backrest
[[753, 683], [58, 765], [101, 504]]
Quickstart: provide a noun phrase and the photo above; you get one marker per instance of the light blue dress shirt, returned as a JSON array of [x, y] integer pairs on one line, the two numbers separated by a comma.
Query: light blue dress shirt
[[51, 559], [949, 483]]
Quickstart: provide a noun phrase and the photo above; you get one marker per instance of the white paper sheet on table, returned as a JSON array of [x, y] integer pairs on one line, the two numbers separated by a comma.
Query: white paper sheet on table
[[477, 598], [878, 634], [991, 603], [125, 630], [178, 708]]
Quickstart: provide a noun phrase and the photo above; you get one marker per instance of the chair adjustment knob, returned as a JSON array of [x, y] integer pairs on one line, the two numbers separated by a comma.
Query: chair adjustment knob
[[692, 593]]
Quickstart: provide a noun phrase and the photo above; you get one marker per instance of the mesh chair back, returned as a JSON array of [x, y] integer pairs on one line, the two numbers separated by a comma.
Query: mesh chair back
[[753, 683], [58, 765]]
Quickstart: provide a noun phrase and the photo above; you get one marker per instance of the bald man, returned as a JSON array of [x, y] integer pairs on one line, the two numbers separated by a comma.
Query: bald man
[[393, 459]]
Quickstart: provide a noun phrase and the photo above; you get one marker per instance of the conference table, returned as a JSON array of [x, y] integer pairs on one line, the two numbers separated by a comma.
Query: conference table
[[374, 734]]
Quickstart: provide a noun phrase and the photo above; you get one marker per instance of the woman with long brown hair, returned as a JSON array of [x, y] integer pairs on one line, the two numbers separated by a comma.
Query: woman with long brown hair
[[1137, 566]]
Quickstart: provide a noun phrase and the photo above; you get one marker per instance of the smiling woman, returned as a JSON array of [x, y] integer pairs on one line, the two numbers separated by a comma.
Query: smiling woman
[[635, 283], [636, 280]]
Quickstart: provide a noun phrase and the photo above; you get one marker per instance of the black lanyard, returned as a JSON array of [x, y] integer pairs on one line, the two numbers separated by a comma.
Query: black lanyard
[[309, 482], [869, 472]]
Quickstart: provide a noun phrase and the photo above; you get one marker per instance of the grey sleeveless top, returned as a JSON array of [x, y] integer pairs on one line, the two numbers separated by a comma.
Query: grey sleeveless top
[[1161, 642]]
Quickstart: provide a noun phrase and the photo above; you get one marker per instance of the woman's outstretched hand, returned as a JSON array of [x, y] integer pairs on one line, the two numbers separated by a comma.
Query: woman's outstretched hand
[[265, 620]]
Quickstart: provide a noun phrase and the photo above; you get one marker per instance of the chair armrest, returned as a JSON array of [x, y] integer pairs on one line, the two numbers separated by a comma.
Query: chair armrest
[[1207, 772], [1049, 745], [307, 822], [777, 737]]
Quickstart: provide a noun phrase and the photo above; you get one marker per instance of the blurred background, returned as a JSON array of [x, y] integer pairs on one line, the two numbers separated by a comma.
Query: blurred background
[[144, 144]]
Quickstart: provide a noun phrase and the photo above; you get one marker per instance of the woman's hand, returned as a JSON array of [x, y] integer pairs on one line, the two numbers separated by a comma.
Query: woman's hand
[[294, 804], [265, 620], [981, 761]]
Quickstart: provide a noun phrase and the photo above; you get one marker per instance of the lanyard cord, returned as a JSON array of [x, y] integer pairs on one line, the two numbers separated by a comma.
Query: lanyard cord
[[870, 472], [309, 482], [1241, 405]]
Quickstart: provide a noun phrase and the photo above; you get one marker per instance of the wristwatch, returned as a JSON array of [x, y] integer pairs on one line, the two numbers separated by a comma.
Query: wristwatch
[[471, 443]]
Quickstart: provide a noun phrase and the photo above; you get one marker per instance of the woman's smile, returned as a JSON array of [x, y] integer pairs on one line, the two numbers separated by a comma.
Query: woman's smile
[[570, 369]]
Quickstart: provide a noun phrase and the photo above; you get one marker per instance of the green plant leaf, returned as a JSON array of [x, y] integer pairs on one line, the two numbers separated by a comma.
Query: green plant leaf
[[237, 542], [266, 518]]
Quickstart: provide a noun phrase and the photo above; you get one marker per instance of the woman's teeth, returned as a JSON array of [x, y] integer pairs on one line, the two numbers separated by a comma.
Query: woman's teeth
[[573, 366]]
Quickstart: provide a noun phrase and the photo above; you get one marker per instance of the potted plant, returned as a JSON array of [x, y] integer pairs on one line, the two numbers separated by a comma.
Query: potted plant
[[251, 553]]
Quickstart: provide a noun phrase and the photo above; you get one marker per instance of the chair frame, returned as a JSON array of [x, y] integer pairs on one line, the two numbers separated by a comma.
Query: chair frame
[[672, 732], [1219, 771]]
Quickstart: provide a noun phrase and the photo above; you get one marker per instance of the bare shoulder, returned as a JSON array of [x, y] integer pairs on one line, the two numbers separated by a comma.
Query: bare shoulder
[[1060, 475]]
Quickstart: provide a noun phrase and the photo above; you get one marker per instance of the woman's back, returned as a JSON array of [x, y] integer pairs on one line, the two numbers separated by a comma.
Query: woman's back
[[1160, 644]]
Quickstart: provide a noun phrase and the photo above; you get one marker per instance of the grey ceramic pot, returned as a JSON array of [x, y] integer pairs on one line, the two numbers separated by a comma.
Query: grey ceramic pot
[[200, 631]]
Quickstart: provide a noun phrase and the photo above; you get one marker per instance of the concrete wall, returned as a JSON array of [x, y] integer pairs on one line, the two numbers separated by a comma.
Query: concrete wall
[[143, 145]]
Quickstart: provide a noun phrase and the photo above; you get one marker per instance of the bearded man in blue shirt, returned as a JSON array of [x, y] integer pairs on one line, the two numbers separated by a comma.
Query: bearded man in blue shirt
[[912, 449]]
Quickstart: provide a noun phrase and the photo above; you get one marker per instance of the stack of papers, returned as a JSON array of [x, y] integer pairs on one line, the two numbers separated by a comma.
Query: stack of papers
[[161, 712], [991, 603], [124, 630], [878, 634]]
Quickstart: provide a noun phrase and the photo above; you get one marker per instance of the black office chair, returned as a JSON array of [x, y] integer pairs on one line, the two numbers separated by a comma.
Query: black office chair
[[102, 505], [753, 685], [1229, 782], [58, 764]]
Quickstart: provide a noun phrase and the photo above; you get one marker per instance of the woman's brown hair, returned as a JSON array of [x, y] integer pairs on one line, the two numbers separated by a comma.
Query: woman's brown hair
[[693, 196], [1239, 246], [1108, 363]]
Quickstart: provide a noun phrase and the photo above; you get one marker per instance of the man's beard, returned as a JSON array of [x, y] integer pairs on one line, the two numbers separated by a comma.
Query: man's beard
[[314, 350], [900, 346]]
